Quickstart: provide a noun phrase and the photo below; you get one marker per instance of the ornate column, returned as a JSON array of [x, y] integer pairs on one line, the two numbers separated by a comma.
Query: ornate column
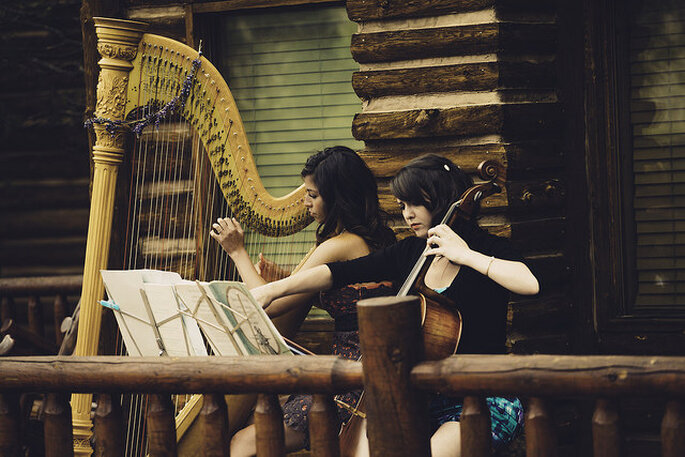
[[117, 44]]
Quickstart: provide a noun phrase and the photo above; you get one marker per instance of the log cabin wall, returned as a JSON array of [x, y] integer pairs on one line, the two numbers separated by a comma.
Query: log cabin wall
[[44, 149], [475, 80]]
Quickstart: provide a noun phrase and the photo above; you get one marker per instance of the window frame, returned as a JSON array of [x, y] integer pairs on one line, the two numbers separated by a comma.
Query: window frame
[[608, 156]]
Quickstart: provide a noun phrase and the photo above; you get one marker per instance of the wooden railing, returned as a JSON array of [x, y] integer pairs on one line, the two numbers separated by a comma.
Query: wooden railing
[[392, 373], [32, 330]]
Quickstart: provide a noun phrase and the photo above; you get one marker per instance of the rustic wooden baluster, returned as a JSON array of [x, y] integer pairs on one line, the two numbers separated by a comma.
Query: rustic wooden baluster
[[6, 309], [35, 315], [606, 436], [214, 420], [59, 441], [161, 428], [60, 312], [323, 427], [9, 426], [390, 336], [540, 433], [268, 418], [673, 430], [108, 427], [476, 438]]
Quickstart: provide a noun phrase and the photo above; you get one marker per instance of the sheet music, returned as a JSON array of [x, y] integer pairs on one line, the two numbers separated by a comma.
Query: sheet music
[[160, 313]]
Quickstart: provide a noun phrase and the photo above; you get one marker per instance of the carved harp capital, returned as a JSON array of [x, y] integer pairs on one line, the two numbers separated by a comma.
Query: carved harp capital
[[118, 42]]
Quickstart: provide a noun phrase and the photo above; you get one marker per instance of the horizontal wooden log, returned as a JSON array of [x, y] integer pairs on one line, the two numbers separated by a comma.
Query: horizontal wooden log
[[43, 251], [523, 159], [520, 121], [27, 222], [45, 194], [549, 375], [168, 21], [214, 6], [320, 374], [41, 164], [453, 41], [517, 198], [540, 313], [367, 10], [481, 76], [547, 343], [542, 375], [534, 235], [551, 269]]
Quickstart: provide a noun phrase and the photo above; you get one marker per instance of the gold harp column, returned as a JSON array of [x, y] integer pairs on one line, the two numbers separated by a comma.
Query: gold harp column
[[117, 44]]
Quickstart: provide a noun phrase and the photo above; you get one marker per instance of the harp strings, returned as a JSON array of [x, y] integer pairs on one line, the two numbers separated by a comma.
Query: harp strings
[[174, 198]]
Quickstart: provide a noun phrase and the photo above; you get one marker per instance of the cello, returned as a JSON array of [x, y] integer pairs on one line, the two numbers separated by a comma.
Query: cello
[[441, 320]]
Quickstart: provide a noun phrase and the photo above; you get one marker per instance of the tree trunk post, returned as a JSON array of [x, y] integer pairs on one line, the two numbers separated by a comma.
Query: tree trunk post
[[392, 343], [108, 426], [9, 425], [214, 417], [57, 427], [606, 434]]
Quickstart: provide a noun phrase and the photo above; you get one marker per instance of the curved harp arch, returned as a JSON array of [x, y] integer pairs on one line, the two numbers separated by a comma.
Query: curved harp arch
[[211, 109]]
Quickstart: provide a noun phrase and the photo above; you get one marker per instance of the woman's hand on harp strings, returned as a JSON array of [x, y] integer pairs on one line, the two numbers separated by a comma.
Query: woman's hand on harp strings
[[229, 234], [269, 270]]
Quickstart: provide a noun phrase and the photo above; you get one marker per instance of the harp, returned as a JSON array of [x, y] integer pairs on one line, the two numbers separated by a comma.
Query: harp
[[144, 75]]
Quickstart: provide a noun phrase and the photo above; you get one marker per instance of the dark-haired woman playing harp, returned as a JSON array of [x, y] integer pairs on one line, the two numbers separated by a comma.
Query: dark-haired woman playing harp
[[342, 198]]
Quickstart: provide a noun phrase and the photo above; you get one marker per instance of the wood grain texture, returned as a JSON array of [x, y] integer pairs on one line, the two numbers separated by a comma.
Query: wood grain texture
[[481, 76], [108, 426], [366, 10], [512, 121], [390, 337], [453, 41]]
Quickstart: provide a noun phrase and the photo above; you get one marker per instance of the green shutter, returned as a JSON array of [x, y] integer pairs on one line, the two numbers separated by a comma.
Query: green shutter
[[290, 72], [657, 64]]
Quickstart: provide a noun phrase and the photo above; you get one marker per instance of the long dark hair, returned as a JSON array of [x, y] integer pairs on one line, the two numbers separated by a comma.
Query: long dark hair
[[349, 191], [431, 181]]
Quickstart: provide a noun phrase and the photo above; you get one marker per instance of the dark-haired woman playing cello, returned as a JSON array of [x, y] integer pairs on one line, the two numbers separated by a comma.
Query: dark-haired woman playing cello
[[474, 269]]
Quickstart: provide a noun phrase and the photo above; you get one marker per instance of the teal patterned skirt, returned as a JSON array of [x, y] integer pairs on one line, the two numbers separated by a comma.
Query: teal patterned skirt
[[506, 415]]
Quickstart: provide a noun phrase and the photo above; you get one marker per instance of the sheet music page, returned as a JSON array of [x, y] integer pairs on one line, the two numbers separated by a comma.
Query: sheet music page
[[180, 334], [255, 328]]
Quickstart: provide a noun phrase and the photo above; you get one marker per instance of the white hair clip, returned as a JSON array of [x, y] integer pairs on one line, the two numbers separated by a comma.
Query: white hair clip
[[447, 168]]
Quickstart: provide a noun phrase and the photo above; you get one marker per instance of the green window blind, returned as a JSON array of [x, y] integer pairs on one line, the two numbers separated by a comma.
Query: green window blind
[[290, 71], [657, 109]]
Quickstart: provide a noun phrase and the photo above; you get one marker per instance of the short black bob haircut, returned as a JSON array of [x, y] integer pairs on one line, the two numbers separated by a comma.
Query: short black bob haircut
[[431, 181], [350, 194]]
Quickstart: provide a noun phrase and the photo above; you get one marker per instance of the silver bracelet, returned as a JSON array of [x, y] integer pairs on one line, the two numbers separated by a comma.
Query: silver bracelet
[[487, 270]]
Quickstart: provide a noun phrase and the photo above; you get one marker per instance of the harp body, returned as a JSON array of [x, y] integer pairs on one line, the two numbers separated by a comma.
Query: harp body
[[141, 73]]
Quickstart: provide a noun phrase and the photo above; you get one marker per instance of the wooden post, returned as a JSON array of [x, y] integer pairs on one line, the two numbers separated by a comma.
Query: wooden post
[[323, 427], [606, 435], [6, 309], [268, 418], [161, 428], [673, 430], [9, 426], [60, 312], [35, 315], [391, 341], [108, 426], [540, 434], [57, 426], [476, 438], [214, 420]]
